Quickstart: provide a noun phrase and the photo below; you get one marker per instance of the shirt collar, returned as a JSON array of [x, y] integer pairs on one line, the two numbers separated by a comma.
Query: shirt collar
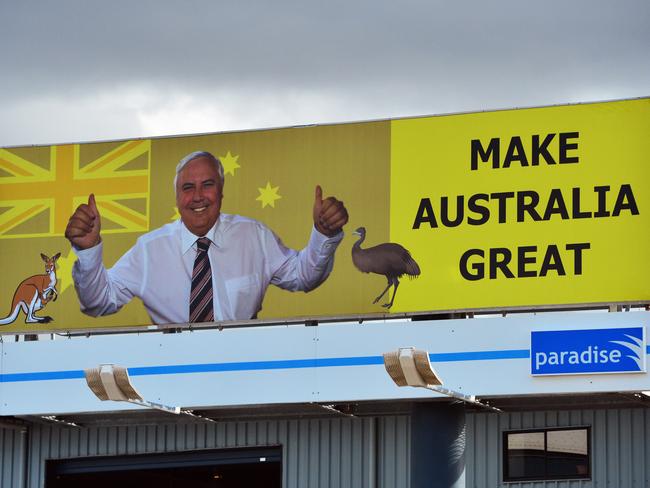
[[215, 234]]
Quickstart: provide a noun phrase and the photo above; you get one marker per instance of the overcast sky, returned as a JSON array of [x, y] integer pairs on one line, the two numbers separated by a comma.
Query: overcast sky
[[90, 70]]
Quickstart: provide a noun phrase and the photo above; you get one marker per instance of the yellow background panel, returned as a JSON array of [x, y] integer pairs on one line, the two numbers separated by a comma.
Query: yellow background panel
[[431, 158]]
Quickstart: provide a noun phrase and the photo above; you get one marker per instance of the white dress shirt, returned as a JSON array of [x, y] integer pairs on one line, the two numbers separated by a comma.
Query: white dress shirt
[[245, 257]]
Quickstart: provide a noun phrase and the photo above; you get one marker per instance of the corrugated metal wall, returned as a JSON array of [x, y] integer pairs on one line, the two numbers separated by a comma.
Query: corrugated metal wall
[[620, 446], [319, 453], [12, 452], [348, 452]]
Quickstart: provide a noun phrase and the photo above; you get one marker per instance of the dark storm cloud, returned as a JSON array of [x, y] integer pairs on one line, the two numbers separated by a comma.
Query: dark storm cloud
[[100, 65]]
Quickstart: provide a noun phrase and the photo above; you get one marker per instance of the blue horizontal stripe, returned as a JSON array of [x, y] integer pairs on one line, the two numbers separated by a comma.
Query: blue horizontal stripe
[[42, 375], [479, 355], [266, 365], [219, 367]]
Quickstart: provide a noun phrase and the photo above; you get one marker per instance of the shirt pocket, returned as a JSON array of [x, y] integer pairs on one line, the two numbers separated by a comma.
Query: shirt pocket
[[245, 296]]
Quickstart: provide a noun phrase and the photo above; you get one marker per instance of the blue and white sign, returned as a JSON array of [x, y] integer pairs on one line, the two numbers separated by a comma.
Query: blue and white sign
[[588, 351]]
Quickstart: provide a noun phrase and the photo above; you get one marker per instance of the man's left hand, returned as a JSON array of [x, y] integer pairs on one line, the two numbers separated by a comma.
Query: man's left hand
[[330, 214]]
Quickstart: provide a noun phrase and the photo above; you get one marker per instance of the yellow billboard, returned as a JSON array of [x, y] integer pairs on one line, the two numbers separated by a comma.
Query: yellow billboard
[[528, 207]]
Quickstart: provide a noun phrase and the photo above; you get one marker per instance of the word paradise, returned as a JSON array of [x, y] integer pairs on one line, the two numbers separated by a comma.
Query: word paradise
[[600, 201], [590, 355]]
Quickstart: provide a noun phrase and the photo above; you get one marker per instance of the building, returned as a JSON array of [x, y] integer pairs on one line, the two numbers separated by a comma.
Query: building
[[533, 312]]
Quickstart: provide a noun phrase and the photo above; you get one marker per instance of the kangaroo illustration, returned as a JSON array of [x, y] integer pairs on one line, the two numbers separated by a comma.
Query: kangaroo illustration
[[34, 293]]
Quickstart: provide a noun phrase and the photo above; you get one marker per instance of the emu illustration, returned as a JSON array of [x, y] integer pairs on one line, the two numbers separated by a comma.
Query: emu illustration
[[388, 259]]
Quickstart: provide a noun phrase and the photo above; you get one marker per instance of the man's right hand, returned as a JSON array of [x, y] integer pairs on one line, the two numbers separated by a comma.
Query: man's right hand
[[84, 225]]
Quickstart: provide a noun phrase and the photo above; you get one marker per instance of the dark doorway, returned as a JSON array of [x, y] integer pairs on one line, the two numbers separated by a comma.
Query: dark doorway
[[224, 468]]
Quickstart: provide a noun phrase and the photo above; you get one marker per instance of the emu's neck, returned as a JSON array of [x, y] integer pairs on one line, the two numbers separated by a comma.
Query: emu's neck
[[357, 245]]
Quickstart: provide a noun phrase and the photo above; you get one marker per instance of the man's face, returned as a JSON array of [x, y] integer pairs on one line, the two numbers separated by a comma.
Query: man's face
[[198, 195]]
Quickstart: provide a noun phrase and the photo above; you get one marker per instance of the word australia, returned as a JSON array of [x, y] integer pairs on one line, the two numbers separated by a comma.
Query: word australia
[[526, 205]]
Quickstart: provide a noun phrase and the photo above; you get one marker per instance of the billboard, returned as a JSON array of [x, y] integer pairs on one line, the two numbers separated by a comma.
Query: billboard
[[528, 207]]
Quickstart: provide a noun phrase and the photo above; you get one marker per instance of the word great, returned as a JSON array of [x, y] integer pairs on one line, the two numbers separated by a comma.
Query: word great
[[499, 259]]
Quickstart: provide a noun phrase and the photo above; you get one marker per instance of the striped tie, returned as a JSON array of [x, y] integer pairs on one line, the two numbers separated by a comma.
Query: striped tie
[[201, 294]]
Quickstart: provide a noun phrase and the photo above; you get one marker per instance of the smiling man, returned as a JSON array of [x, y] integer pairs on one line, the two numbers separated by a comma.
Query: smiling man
[[206, 266]]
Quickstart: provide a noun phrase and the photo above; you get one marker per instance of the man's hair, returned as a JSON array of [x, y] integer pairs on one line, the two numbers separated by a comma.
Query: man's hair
[[196, 155]]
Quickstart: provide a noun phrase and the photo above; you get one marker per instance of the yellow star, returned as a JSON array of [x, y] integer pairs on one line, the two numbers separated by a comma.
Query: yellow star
[[229, 163], [268, 195], [64, 271], [176, 215]]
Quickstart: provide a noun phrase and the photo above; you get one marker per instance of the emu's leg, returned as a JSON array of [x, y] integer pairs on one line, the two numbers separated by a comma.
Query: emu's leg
[[390, 282], [396, 283]]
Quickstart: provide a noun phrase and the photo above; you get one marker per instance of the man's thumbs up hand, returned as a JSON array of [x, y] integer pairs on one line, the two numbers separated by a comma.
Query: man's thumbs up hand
[[330, 215], [83, 230]]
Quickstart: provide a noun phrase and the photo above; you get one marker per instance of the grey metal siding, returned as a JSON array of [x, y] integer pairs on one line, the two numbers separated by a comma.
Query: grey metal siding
[[12, 451], [394, 452], [620, 443], [347, 452], [318, 453]]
